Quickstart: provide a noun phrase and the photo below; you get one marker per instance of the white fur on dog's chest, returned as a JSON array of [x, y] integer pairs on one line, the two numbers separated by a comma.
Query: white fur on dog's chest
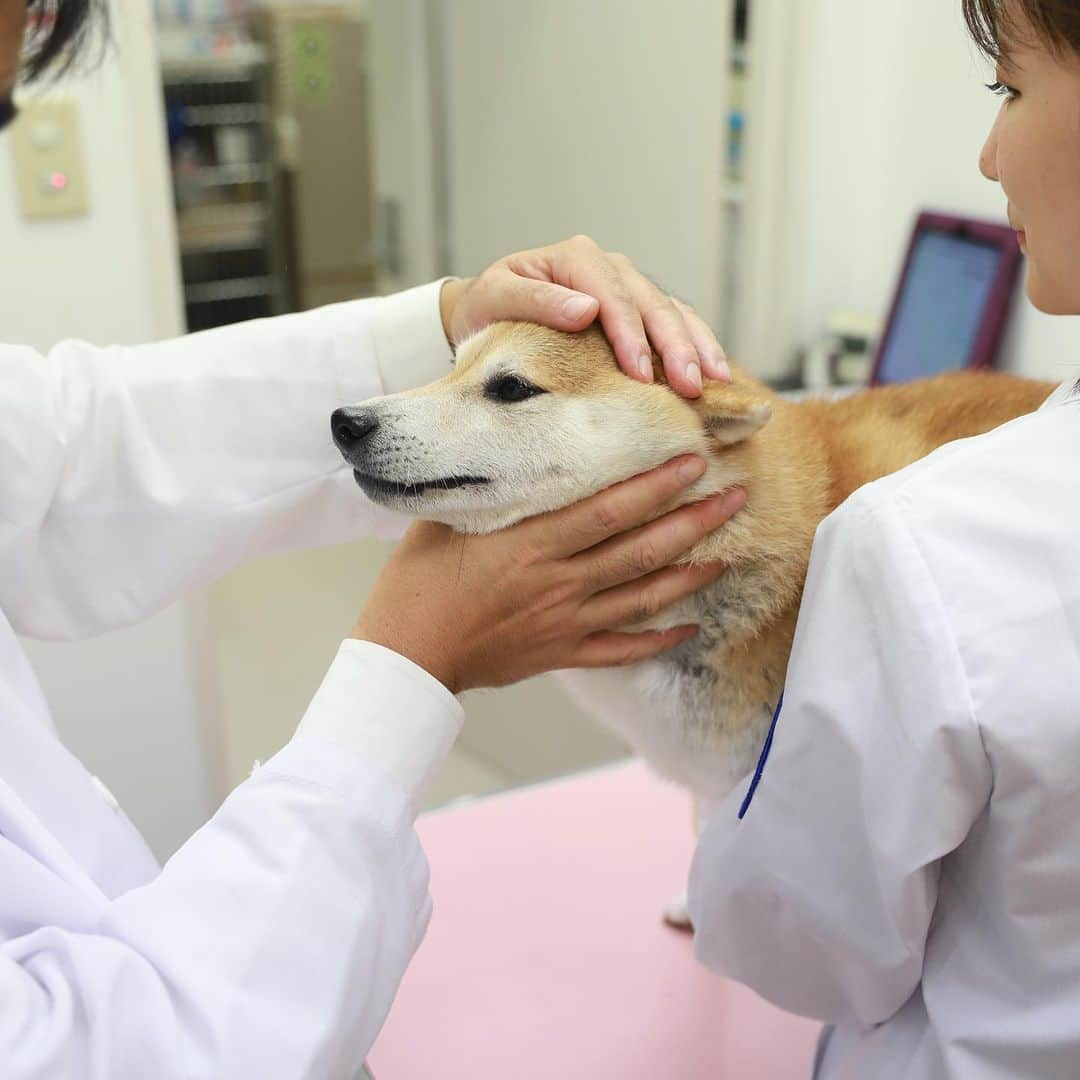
[[675, 721], [687, 712]]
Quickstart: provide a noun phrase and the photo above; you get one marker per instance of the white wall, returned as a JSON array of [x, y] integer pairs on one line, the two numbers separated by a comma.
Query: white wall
[[892, 113], [132, 704], [100, 277]]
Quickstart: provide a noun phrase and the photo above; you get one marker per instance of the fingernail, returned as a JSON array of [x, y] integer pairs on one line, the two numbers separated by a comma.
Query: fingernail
[[645, 366], [690, 469], [574, 308], [718, 365], [693, 373], [732, 500], [712, 363]]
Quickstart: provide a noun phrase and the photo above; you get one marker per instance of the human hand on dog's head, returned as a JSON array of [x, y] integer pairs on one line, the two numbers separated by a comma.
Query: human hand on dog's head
[[566, 286], [554, 591]]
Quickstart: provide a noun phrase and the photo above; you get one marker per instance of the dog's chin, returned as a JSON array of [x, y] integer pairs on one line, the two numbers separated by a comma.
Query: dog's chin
[[466, 506], [395, 492], [453, 501]]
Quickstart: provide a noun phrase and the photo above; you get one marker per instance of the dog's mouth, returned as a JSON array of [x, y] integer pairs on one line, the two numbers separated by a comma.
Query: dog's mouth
[[376, 486]]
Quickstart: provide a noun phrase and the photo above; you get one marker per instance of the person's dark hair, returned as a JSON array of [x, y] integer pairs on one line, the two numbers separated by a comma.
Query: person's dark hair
[[59, 32], [993, 23]]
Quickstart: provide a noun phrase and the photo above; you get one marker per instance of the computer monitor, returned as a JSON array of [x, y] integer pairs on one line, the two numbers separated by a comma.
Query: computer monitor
[[952, 301]]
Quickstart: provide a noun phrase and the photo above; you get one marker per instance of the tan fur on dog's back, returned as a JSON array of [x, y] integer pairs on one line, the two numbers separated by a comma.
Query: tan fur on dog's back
[[883, 430], [813, 454]]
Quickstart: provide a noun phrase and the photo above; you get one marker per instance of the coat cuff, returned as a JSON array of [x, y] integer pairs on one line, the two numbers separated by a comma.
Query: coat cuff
[[377, 706], [410, 343]]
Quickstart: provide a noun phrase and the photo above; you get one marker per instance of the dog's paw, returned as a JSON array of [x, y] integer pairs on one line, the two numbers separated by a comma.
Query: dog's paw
[[676, 913]]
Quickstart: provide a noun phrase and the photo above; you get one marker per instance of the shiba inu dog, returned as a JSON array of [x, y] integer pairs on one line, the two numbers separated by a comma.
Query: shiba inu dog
[[531, 420]]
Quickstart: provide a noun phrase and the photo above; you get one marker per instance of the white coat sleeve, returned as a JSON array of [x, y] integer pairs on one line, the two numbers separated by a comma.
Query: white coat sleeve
[[820, 898], [272, 943], [130, 474]]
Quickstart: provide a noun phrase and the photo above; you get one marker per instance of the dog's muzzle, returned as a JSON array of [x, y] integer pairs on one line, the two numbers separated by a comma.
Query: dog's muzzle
[[350, 428]]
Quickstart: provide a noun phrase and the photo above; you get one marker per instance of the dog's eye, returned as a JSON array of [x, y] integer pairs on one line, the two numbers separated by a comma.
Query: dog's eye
[[509, 388]]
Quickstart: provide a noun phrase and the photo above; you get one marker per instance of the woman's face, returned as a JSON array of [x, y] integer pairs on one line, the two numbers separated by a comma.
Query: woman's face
[[1033, 151]]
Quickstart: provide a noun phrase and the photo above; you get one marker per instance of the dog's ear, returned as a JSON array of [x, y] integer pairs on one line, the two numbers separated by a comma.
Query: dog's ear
[[730, 415]]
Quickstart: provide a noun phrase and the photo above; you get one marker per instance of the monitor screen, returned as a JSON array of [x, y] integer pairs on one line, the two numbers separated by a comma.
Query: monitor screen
[[941, 306]]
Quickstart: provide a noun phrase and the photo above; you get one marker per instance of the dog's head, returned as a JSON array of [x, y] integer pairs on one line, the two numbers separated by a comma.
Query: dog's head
[[532, 420]]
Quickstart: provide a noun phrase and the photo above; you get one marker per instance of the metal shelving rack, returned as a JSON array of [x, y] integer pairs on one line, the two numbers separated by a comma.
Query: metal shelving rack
[[227, 193]]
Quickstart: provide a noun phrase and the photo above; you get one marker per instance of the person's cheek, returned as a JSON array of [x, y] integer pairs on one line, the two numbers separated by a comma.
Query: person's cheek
[[1069, 237], [1069, 260], [1050, 216], [1009, 180]]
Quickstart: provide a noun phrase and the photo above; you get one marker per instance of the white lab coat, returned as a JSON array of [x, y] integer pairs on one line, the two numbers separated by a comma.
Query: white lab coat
[[272, 943], [908, 868]]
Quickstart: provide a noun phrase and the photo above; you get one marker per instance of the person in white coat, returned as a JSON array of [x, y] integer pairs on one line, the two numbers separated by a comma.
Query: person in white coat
[[904, 864], [272, 943]]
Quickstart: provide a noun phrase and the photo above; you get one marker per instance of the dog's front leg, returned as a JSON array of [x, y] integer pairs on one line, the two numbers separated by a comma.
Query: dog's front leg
[[677, 913]]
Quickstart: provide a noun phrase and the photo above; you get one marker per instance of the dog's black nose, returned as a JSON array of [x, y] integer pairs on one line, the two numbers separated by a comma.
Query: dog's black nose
[[350, 427]]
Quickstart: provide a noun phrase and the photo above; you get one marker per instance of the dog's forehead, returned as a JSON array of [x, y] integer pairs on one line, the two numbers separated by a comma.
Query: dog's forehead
[[561, 361]]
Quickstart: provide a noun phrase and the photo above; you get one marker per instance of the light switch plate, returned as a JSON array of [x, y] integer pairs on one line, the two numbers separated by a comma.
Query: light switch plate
[[50, 170]]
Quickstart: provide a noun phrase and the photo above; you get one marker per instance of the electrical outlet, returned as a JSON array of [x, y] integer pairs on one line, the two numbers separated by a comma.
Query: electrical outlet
[[50, 170]]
